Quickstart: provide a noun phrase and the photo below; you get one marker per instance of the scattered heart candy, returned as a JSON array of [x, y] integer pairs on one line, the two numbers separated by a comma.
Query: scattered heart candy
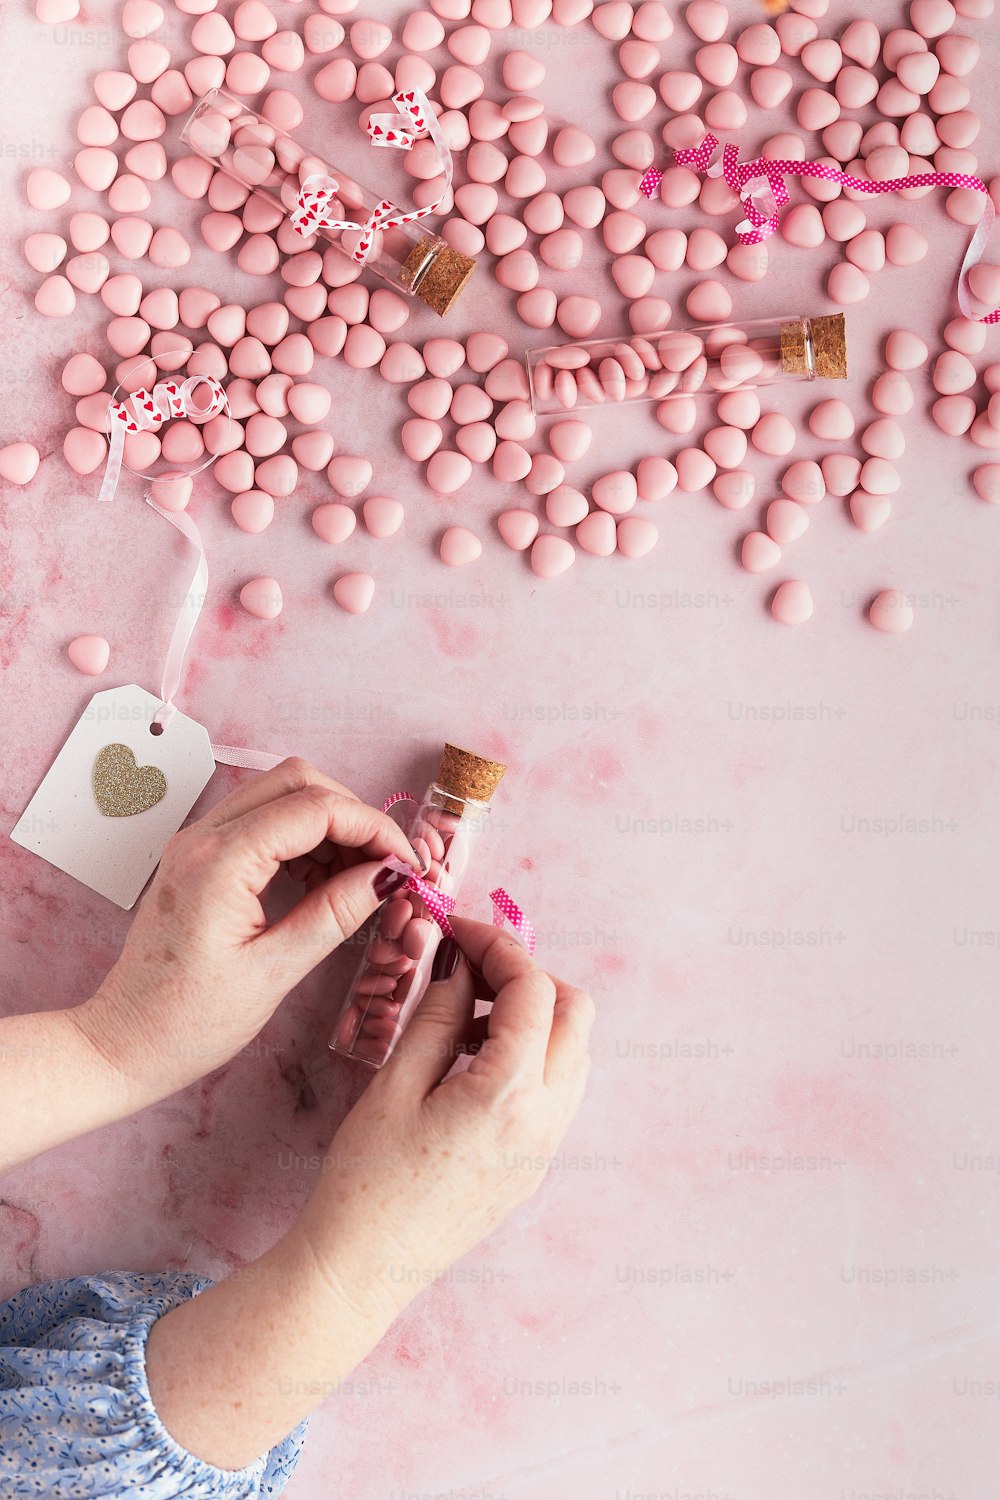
[[759, 552], [354, 592], [19, 462], [383, 515], [90, 654], [459, 546], [261, 597], [891, 612], [537, 235], [172, 491], [333, 522], [792, 603], [253, 511], [551, 555]]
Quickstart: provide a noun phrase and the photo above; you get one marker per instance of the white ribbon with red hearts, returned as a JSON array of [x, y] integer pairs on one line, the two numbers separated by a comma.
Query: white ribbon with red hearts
[[146, 411], [414, 119]]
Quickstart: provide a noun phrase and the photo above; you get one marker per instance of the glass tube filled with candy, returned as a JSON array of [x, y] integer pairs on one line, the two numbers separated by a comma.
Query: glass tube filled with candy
[[396, 968], [272, 164], [687, 362]]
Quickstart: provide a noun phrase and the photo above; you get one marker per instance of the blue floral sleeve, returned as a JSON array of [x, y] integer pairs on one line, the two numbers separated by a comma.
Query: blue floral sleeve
[[76, 1417]]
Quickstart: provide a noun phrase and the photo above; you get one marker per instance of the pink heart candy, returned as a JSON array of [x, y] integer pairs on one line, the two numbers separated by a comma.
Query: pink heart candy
[[354, 592], [89, 654]]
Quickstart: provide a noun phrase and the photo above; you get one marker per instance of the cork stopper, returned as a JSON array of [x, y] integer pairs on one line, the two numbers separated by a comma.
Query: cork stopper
[[829, 338], [794, 349], [437, 278], [815, 346], [468, 775]]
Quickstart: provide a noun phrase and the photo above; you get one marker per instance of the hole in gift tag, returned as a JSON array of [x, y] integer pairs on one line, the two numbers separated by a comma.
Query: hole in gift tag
[[155, 727]]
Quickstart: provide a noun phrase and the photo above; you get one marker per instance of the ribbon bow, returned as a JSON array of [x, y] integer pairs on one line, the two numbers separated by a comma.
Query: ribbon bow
[[414, 119], [763, 203], [146, 411], [440, 905]]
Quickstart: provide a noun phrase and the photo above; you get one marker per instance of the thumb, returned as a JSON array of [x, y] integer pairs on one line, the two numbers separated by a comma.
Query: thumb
[[324, 918], [440, 1025]]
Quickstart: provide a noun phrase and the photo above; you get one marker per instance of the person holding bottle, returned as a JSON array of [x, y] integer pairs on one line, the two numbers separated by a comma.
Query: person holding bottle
[[164, 1385]]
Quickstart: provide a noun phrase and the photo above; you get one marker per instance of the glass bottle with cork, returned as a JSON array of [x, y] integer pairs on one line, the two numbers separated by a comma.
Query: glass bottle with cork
[[270, 162], [687, 362], [399, 956]]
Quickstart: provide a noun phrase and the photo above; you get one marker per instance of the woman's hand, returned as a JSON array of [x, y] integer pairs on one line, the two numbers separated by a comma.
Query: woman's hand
[[425, 1165], [202, 970], [423, 1168]]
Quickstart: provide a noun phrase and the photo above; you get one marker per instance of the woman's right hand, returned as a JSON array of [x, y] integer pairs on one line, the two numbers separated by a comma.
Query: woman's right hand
[[421, 1170], [424, 1166]]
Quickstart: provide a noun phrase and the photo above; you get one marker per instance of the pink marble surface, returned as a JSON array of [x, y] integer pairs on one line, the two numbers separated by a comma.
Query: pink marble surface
[[765, 1265]]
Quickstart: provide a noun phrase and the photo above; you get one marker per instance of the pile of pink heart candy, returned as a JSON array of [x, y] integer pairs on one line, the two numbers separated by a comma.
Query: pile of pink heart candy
[[528, 200]]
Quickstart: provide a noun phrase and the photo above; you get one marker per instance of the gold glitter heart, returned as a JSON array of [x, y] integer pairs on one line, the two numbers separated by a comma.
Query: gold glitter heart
[[123, 788]]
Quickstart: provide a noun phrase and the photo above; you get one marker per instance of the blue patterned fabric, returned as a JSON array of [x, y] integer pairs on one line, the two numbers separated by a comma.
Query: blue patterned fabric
[[76, 1418]]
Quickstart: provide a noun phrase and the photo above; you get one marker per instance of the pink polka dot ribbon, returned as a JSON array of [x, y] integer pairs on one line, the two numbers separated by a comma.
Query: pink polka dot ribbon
[[414, 119], [398, 797], [761, 189], [440, 906], [437, 903], [507, 910], [650, 182], [147, 411]]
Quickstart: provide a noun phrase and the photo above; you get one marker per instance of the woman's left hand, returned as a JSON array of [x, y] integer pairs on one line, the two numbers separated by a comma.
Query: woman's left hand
[[202, 969]]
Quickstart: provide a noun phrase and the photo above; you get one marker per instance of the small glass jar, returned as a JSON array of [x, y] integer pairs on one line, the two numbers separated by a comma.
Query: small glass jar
[[272, 164], [687, 362], [396, 968]]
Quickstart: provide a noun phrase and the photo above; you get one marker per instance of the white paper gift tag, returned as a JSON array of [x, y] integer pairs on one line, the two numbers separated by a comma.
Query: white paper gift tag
[[116, 793]]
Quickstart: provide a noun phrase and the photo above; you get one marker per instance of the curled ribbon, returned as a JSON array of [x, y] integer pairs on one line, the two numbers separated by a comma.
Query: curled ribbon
[[414, 119], [504, 908], [763, 202], [146, 411], [439, 905]]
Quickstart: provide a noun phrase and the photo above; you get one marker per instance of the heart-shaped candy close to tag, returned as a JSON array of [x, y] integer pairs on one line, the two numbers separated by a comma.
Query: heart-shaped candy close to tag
[[123, 788]]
